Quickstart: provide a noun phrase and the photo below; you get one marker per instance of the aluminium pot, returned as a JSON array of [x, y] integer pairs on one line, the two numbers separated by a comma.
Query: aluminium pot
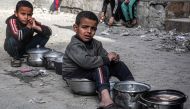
[[82, 86], [58, 65], [35, 56], [49, 58], [163, 99], [126, 94]]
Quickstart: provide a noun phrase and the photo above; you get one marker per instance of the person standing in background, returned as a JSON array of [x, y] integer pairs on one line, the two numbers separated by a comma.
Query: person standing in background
[[129, 9], [116, 12]]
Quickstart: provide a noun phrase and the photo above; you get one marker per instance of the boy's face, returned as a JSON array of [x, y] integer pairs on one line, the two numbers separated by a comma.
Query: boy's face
[[24, 14], [86, 29]]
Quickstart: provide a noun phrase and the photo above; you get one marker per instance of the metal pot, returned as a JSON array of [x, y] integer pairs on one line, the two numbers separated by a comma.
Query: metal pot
[[58, 65], [82, 86], [49, 58], [126, 94], [35, 56], [163, 99]]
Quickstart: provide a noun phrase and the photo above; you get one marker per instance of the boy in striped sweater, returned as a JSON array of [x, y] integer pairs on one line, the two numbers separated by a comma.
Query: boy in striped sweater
[[20, 32]]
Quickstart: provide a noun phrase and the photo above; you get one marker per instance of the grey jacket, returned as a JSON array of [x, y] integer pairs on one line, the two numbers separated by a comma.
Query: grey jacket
[[80, 56]]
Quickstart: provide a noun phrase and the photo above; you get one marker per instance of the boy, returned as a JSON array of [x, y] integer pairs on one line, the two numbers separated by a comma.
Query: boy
[[20, 32], [85, 57]]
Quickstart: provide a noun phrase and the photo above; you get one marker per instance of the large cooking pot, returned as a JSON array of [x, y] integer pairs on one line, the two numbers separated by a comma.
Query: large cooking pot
[[163, 99], [35, 56], [49, 58], [126, 94], [82, 86]]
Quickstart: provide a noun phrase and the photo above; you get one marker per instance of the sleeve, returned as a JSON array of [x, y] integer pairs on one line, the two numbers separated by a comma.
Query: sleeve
[[103, 53], [18, 34], [78, 54], [46, 31]]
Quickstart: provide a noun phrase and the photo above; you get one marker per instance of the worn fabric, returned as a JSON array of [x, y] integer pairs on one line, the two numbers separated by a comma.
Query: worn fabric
[[129, 10], [20, 38]]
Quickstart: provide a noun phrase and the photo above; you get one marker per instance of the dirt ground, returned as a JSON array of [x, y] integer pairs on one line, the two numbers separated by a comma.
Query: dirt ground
[[141, 49]]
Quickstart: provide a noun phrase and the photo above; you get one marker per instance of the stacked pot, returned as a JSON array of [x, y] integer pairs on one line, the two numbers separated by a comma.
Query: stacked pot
[[46, 57]]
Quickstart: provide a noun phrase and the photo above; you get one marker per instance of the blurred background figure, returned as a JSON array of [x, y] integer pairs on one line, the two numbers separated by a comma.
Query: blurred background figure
[[115, 11], [129, 9], [55, 7]]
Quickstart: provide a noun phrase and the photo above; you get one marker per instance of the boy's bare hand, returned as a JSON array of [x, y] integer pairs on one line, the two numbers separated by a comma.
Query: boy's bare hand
[[113, 56], [35, 24]]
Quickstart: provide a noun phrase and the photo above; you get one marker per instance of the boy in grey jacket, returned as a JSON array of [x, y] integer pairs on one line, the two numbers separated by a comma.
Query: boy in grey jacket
[[85, 57]]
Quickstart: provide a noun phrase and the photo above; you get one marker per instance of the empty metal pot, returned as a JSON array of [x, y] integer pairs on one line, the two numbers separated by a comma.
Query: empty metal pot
[[35, 56], [82, 86], [58, 65], [49, 58], [163, 99], [126, 94]]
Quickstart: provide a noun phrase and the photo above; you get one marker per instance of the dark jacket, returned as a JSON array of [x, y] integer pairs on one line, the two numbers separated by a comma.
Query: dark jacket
[[22, 33], [82, 56]]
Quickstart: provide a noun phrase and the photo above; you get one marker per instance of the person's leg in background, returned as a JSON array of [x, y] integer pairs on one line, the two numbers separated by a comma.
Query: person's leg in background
[[56, 5], [132, 5], [125, 12]]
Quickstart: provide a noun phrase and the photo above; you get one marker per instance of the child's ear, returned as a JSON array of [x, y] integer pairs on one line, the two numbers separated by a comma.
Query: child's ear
[[75, 27]]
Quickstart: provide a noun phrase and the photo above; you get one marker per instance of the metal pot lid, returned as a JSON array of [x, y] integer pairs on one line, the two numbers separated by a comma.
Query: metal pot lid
[[80, 80], [131, 87], [164, 97], [53, 54], [38, 50]]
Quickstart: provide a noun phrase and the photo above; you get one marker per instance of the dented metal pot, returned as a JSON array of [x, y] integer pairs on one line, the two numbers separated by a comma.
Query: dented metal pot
[[126, 94]]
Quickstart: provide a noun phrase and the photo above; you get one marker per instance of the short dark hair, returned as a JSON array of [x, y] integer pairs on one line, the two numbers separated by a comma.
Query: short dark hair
[[23, 3], [86, 14]]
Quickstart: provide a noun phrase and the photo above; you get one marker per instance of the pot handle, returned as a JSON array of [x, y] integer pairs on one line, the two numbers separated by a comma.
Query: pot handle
[[143, 103]]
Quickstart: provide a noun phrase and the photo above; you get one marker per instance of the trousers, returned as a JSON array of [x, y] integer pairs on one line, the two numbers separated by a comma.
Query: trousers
[[129, 10], [17, 49], [102, 74]]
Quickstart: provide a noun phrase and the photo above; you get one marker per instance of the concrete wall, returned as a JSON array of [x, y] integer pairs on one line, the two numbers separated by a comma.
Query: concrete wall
[[9, 4], [90, 5]]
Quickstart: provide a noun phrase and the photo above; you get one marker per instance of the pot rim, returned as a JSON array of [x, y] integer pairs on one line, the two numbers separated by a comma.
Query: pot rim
[[38, 50], [132, 82], [182, 99]]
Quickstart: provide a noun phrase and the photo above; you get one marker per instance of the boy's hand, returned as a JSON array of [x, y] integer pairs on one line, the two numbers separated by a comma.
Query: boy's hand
[[29, 24], [35, 24], [113, 56]]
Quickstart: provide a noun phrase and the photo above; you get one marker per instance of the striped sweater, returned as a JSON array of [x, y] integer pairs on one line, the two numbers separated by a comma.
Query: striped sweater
[[20, 32]]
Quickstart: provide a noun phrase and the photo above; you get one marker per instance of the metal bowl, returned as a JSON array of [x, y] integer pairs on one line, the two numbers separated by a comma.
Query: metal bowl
[[82, 86]]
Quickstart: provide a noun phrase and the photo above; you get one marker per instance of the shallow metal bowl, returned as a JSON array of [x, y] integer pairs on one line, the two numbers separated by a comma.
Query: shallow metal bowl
[[82, 86]]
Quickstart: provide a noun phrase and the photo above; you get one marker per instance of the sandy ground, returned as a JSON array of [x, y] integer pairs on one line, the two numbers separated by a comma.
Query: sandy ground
[[139, 49]]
